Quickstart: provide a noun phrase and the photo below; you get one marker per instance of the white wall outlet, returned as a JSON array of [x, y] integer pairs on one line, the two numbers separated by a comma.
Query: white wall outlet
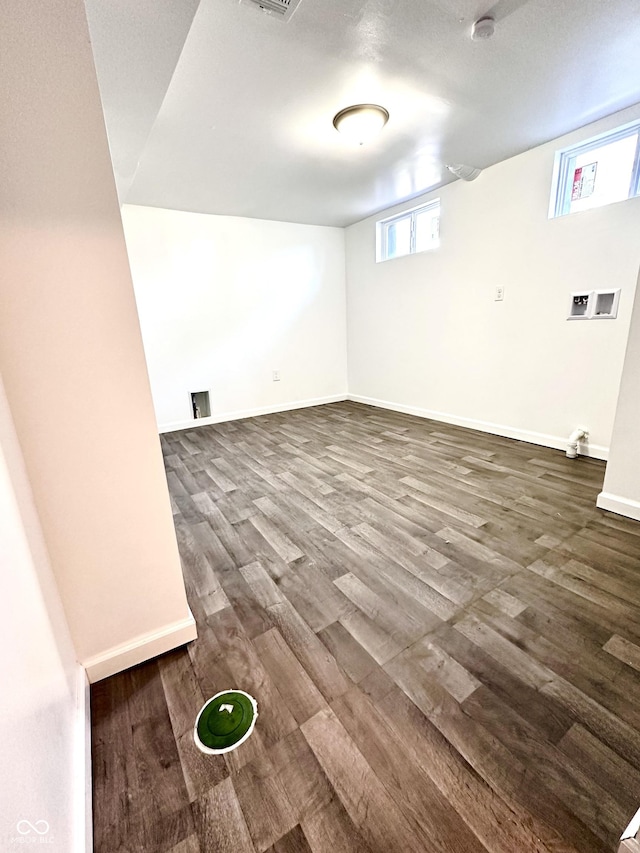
[[276, 376], [499, 294]]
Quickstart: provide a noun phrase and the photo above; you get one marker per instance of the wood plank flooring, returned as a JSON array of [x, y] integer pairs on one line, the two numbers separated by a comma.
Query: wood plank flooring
[[440, 628]]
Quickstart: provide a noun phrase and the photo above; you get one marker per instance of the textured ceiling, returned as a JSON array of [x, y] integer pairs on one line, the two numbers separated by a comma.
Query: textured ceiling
[[216, 107]]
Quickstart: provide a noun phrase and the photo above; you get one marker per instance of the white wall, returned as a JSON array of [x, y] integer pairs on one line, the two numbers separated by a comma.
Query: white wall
[[621, 489], [425, 334], [224, 301], [71, 352], [42, 728]]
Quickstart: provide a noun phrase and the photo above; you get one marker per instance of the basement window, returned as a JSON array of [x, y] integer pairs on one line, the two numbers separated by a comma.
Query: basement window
[[599, 171], [408, 233]]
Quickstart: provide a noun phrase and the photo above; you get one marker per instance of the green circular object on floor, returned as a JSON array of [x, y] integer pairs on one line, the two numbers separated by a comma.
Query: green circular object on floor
[[225, 721]]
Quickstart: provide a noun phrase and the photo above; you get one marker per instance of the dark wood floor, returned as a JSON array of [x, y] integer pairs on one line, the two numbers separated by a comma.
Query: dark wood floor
[[440, 628]]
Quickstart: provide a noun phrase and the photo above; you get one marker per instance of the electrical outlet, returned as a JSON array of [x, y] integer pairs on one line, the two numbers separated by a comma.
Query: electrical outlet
[[276, 376], [499, 294]]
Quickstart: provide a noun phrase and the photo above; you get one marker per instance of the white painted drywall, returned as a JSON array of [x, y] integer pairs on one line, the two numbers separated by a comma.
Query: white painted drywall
[[426, 335], [224, 301], [41, 723], [621, 489], [70, 347]]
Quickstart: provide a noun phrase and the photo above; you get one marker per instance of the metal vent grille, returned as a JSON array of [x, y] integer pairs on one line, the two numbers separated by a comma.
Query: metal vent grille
[[282, 9]]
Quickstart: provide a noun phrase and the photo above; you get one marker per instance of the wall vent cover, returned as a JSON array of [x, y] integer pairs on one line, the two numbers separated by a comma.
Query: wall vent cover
[[281, 9]]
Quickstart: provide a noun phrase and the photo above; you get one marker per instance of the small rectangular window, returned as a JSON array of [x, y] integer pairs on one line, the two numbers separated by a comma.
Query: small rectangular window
[[599, 171], [407, 233]]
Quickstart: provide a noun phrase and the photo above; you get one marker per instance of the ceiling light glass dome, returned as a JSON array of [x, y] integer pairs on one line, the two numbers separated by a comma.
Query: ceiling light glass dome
[[360, 122]]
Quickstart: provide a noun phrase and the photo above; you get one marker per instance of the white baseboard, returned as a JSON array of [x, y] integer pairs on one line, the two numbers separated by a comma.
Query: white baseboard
[[619, 505], [633, 829], [596, 451], [250, 413], [83, 811], [140, 649]]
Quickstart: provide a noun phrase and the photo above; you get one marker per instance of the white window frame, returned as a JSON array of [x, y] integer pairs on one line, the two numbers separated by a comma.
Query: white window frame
[[382, 231], [564, 167]]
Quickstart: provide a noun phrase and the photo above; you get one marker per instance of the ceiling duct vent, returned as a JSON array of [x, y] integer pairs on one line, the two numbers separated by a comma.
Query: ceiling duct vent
[[281, 9]]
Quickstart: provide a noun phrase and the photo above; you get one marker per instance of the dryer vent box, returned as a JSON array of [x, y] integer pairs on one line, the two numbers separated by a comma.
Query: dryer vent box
[[200, 406], [605, 304]]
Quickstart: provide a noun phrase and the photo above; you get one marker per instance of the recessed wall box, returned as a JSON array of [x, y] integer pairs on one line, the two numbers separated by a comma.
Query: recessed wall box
[[579, 306], [605, 304], [200, 406]]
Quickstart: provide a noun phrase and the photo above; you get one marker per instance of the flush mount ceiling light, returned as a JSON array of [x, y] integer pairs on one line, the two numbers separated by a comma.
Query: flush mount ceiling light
[[360, 122], [467, 173], [483, 28]]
